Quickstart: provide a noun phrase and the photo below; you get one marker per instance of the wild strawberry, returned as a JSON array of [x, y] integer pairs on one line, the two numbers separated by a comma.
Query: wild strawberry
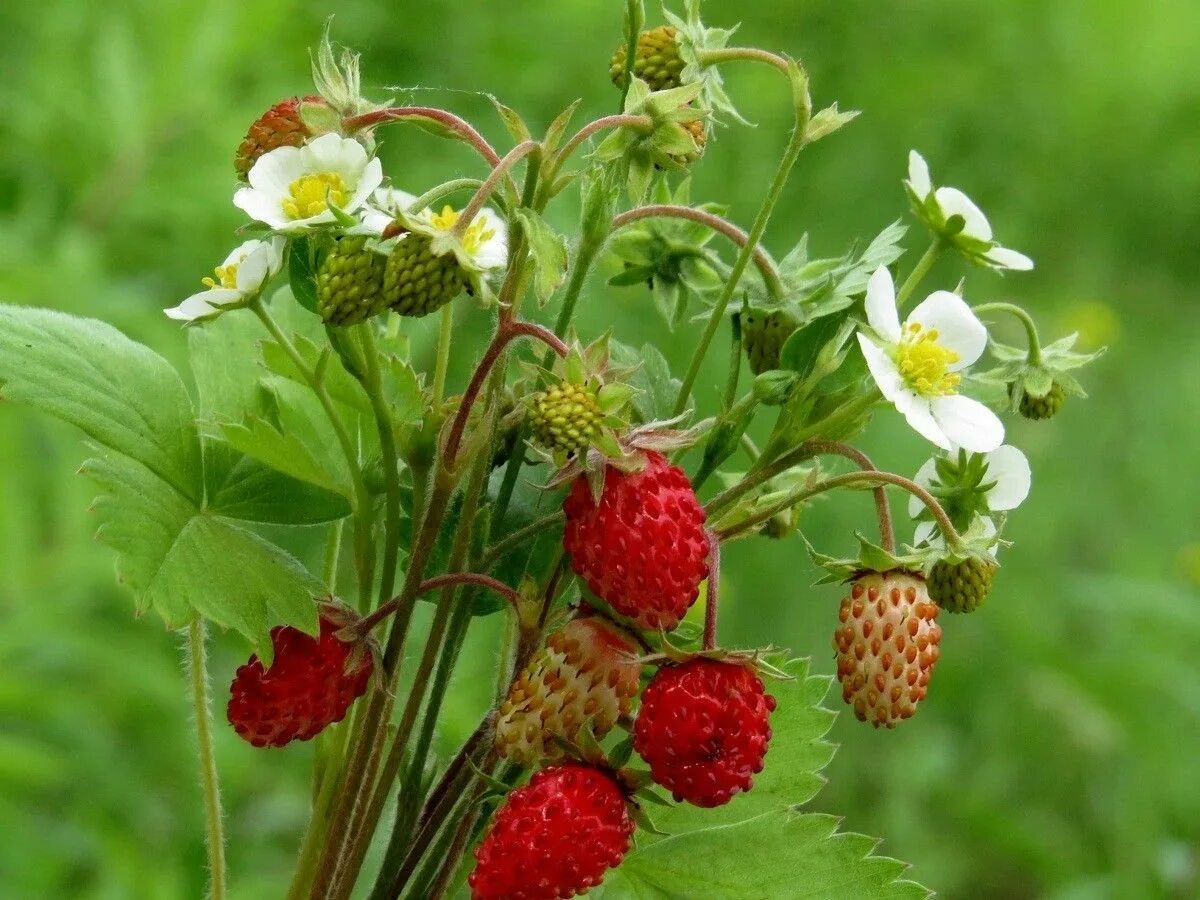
[[1046, 407], [703, 729], [279, 126], [586, 674], [555, 837], [566, 417], [309, 686], [643, 549], [418, 281], [961, 587], [656, 60], [887, 646], [764, 332], [350, 283]]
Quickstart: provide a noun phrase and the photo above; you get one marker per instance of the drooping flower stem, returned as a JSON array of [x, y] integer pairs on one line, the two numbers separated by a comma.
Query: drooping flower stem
[[718, 55], [883, 509], [635, 19], [1031, 330], [489, 185], [721, 226], [621, 120], [918, 273], [443, 190], [449, 120], [197, 664]]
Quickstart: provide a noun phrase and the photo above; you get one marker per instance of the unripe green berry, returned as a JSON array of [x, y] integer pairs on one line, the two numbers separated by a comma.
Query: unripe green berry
[[763, 336], [963, 586], [417, 281], [566, 418], [657, 61], [350, 283], [1046, 407]]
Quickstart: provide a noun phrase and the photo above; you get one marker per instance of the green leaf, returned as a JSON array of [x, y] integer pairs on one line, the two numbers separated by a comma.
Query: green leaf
[[302, 273], [254, 492], [656, 387], [549, 250], [282, 450], [512, 121], [120, 393]]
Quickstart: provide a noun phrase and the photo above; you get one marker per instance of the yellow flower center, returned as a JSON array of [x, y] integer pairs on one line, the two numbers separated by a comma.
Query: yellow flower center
[[924, 364], [476, 235], [226, 276], [311, 195]]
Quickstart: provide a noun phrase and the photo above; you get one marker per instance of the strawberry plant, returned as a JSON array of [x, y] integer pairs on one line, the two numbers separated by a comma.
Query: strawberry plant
[[571, 484]]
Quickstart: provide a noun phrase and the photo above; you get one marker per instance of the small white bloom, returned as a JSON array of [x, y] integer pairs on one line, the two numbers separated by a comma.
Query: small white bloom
[[484, 244], [239, 279], [292, 188], [937, 206], [1006, 475], [917, 365]]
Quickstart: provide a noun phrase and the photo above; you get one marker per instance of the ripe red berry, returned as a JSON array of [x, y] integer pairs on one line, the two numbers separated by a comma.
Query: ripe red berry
[[555, 837], [887, 645], [309, 686], [703, 729], [643, 549], [279, 126]]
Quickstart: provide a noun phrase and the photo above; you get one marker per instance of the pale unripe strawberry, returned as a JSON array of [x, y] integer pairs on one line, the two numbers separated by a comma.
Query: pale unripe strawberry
[[566, 417], [587, 674], [1047, 407], [764, 332], [418, 281], [887, 645], [656, 60], [961, 587], [350, 283]]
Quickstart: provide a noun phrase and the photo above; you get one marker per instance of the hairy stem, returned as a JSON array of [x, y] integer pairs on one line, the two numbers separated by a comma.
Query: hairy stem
[[712, 594], [883, 509], [744, 54], [501, 170], [762, 259], [1031, 329], [458, 125], [642, 123], [373, 385], [442, 366], [519, 537], [368, 623], [918, 273], [635, 18], [197, 659], [442, 190]]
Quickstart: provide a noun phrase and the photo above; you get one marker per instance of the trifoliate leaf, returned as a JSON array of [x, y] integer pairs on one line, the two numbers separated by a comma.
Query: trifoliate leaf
[[651, 378]]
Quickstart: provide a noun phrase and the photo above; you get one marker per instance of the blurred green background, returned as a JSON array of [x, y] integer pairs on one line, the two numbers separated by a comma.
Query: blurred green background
[[1056, 754]]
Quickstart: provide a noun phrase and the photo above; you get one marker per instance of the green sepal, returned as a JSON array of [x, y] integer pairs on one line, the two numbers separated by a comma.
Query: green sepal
[[549, 250]]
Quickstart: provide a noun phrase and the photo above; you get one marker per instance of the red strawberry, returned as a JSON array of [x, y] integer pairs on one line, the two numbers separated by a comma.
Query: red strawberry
[[587, 674], [310, 685], [555, 837], [703, 729], [887, 645], [643, 549], [279, 126]]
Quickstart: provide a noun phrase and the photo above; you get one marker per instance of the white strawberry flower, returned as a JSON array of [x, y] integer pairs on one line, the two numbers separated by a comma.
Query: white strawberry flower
[[1003, 479], [483, 247], [293, 189], [944, 208], [918, 365], [237, 281]]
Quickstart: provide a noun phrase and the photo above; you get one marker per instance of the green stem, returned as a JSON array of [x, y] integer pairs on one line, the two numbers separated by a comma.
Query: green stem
[[518, 537], [642, 123], [779, 441], [442, 366], [444, 190], [635, 18], [197, 656], [753, 239], [920, 270], [333, 552], [743, 54], [1031, 330], [373, 385]]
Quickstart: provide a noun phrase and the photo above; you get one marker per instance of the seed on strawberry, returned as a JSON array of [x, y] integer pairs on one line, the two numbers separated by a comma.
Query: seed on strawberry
[[279, 126], [566, 417], [887, 645], [643, 549], [1047, 407], [586, 675], [309, 686], [961, 587], [350, 283], [656, 60], [555, 837], [764, 332], [418, 281], [703, 728]]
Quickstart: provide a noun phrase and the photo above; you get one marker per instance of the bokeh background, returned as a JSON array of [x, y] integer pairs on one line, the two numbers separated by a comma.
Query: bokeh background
[[1056, 755]]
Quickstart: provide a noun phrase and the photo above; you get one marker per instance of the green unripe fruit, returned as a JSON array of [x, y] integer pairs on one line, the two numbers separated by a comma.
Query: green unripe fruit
[[963, 586], [763, 335], [566, 418], [350, 283], [1046, 407], [417, 281], [657, 61]]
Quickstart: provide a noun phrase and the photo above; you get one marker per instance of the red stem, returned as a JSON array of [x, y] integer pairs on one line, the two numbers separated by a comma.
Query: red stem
[[712, 597], [458, 125], [506, 332], [618, 121]]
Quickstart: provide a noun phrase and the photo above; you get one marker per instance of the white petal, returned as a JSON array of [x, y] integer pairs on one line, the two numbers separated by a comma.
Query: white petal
[[968, 423], [1003, 258], [494, 252], [368, 180], [261, 206], [955, 203], [273, 172], [926, 532], [883, 369], [203, 304], [924, 478], [958, 328], [881, 305], [260, 265], [1008, 467], [918, 174], [392, 200], [916, 411], [333, 153]]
